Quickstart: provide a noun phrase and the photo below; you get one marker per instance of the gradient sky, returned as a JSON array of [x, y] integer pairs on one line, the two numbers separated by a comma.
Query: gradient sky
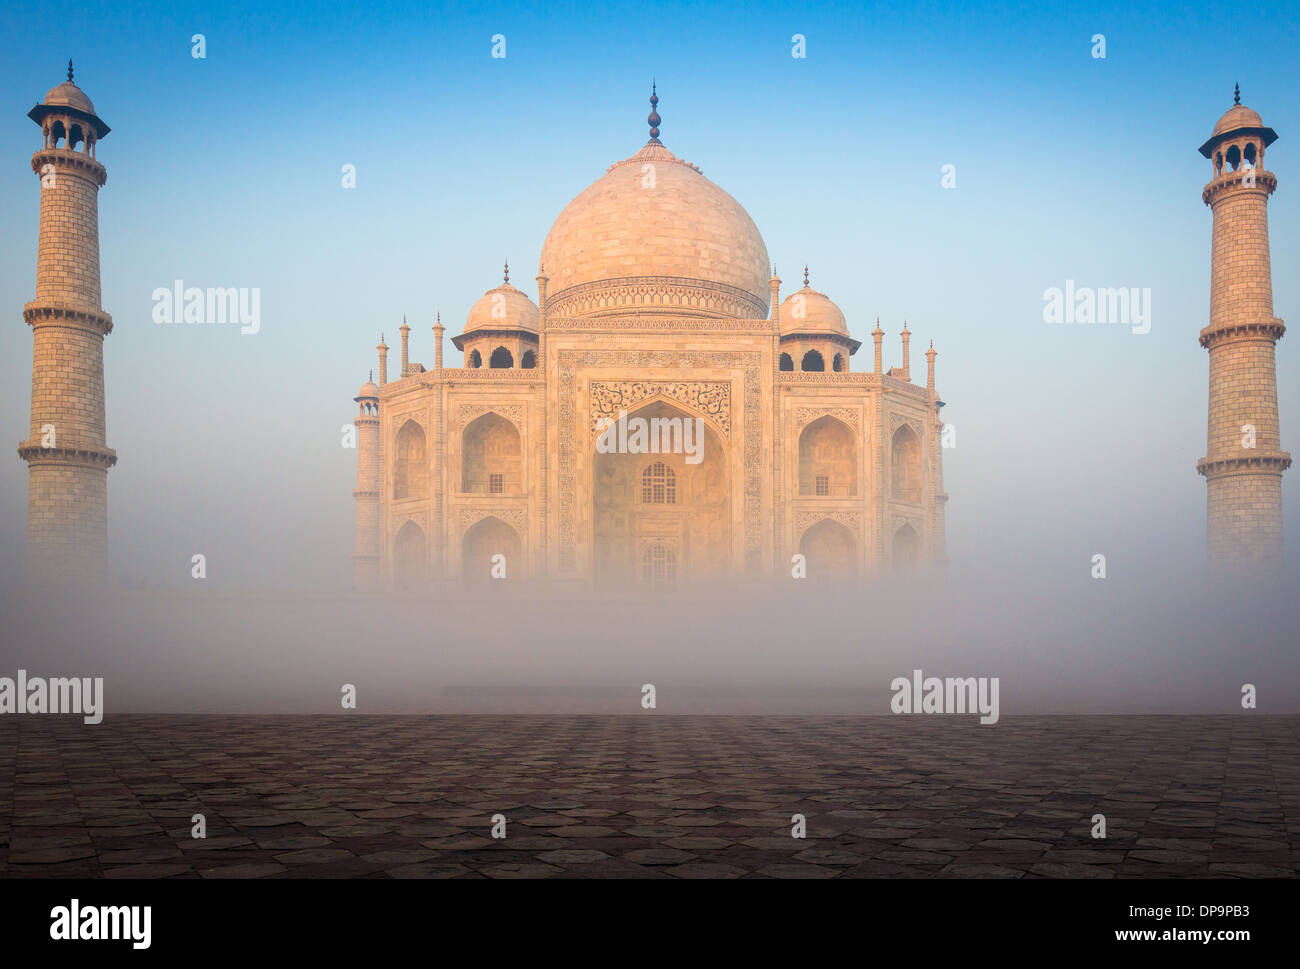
[[226, 172]]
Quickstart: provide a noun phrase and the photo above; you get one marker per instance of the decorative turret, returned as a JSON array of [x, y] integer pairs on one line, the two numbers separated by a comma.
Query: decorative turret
[[501, 329], [814, 334]]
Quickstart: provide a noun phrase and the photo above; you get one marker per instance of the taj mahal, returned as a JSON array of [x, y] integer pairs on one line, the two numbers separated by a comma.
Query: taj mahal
[[656, 306], [767, 454]]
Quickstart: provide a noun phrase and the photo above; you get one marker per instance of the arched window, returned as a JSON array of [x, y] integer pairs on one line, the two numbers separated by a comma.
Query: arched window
[[905, 465], [659, 485], [659, 566], [837, 364], [475, 359], [1234, 158], [410, 479], [501, 359], [812, 361], [529, 360], [786, 362]]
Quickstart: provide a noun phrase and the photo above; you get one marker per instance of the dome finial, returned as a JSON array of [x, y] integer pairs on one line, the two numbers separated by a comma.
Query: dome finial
[[654, 118], [1236, 91], [805, 276], [507, 271], [372, 376], [69, 70]]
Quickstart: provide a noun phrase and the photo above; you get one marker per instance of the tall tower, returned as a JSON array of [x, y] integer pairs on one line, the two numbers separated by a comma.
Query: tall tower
[[365, 549], [1244, 458], [66, 454]]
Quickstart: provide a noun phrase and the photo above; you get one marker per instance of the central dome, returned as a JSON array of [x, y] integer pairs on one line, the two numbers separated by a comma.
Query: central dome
[[653, 235]]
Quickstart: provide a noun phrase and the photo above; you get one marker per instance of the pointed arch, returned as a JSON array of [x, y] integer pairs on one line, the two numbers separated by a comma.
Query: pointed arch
[[475, 360], [491, 457], [813, 362], [828, 459], [829, 550], [485, 540], [905, 550], [411, 472], [786, 362], [501, 359], [905, 465], [529, 360], [410, 559]]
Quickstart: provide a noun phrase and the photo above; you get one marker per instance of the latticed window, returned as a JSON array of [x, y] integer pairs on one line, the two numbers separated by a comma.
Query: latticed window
[[659, 566], [659, 485], [823, 484], [496, 484]]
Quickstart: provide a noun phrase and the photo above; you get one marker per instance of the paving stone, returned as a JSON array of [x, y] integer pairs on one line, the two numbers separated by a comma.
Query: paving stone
[[684, 797]]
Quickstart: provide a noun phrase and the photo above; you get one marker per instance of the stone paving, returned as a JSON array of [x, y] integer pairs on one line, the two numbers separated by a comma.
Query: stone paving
[[649, 796]]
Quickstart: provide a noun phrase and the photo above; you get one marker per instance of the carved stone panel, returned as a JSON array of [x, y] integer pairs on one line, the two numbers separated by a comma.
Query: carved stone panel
[[806, 519], [806, 415], [709, 397]]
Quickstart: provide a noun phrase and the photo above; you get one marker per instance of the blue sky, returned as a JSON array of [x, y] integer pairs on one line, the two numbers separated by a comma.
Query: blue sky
[[225, 171]]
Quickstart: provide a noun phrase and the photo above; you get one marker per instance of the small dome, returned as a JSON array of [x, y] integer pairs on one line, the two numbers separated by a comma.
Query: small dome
[[368, 389], [503, 308], [68, 95], [1237, 116], [808, 311]]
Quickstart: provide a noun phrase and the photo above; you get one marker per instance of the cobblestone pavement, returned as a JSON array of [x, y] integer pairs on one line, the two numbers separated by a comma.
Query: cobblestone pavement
[[649, 796]]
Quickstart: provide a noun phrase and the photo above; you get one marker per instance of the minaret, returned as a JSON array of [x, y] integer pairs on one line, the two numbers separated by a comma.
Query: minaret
[[365, 557], [1244, 458], [66, 454], [878, 335]]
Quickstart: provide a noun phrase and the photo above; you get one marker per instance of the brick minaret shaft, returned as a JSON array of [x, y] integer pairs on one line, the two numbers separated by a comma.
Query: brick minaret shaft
[[365, 557], [1244, 459], [66, 453]]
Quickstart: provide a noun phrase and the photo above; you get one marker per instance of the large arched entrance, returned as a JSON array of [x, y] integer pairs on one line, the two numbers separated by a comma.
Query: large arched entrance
[[485, 540], [658, 517], [829, 551]]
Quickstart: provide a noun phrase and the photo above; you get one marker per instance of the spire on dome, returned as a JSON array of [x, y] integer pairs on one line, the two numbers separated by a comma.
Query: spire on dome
[[1236, 89], [805, 276], [69, 70], [507, 271], [654, 118]]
